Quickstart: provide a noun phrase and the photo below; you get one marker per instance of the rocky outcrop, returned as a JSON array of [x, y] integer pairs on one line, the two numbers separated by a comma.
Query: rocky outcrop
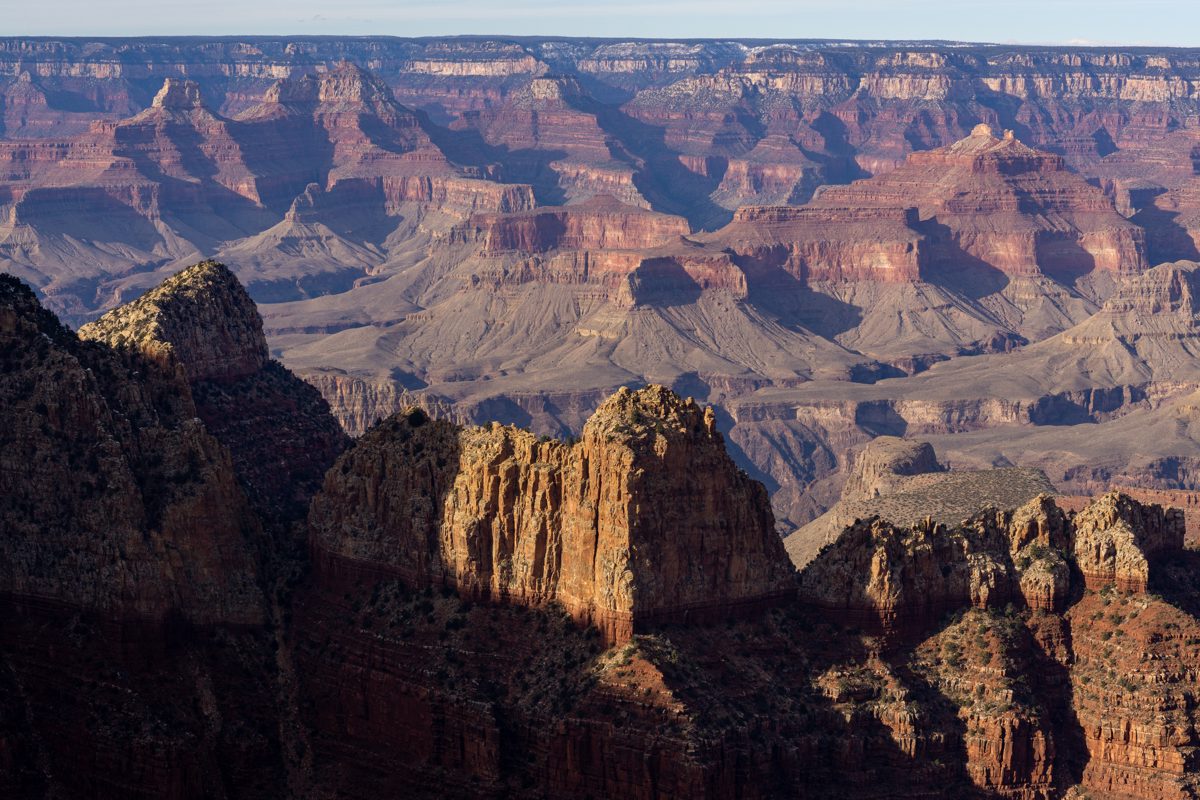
[[200, 321], [629, 256], [645, 520], [327, 190], [1104, 711], [901, 579], [203, 325], [1116, 537], [901, 481], [883, 461], [106, 468], [347, 122], [135, 654], [896, 580]]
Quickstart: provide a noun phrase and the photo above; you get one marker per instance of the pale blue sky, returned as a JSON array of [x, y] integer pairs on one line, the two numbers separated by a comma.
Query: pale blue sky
[[1128, 22]]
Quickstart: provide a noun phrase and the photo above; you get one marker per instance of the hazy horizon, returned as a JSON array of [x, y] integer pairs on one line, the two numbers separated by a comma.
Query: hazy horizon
[[1162, 23]]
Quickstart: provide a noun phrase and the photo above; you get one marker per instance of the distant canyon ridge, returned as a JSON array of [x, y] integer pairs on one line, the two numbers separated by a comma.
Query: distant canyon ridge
[[988, 247]]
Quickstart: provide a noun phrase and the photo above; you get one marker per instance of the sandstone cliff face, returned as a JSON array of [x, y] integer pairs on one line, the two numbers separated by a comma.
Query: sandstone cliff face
[[603, 249], [895, 579], [644, 520], [347, 123], [599, 224], [901, 578], [1115, 537], [1137, 729], [106, 470], [1016, 209], [241, 130], [995, 693], [133, 647], [203, 325]]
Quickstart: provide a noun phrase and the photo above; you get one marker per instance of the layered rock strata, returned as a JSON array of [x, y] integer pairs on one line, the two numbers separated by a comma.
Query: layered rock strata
[[1006, 205]]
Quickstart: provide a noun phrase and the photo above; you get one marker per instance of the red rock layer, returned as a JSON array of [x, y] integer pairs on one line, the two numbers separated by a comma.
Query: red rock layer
[[644, 520], [602, 223], [631, 256], [1187, 502], [1004, 204], [979, 685], [829, 243]]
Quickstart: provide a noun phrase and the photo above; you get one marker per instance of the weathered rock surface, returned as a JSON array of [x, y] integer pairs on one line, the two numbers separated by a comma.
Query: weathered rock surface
[[645, 520], [979, 684], [345, 211], [107, 468], [898, 578], [134, 650], [200, 321], [1115, 538], [202, 324], [883, 463]]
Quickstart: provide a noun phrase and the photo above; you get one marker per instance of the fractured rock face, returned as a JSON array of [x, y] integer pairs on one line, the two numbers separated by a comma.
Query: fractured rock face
[[105, 469], [200, 319], [1115, 537], [894, 579], [644, 520], [203, 324], [901, 579]]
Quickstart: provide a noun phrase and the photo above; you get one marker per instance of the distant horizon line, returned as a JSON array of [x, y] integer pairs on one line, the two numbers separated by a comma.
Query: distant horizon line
[[839, 41]]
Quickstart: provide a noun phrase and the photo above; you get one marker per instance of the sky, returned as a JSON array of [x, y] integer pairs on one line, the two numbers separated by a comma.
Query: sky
[[1083, 22]]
